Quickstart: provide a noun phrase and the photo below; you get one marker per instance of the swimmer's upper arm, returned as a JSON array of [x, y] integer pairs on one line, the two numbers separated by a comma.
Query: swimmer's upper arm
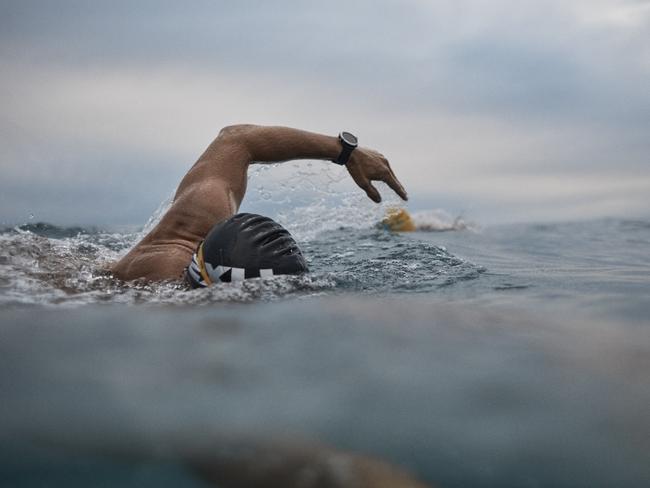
[[198, 206], [222, 169]]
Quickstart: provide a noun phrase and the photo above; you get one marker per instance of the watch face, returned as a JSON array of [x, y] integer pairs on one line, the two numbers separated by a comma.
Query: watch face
[[349, 139]]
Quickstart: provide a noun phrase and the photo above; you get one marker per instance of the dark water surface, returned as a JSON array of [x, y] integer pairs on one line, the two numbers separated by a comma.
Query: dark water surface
[[511, 356]]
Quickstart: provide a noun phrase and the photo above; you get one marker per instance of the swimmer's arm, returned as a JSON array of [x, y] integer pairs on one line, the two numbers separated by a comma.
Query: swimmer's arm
[[251, 143]]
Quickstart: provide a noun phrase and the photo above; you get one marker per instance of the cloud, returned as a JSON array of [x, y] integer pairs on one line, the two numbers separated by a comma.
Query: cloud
[[518, 94]]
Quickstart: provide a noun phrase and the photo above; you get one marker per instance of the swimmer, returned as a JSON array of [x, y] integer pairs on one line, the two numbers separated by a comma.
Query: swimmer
[[203, 240], [398, 220]]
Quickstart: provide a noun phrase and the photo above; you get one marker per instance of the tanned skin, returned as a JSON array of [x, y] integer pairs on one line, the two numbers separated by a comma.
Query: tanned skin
[[214, 187]]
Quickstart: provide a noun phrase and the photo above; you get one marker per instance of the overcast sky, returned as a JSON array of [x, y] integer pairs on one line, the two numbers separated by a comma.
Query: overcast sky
[[503, 110]]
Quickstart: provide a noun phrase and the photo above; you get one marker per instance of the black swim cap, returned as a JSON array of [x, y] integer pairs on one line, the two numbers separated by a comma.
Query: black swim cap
[[245, 246]]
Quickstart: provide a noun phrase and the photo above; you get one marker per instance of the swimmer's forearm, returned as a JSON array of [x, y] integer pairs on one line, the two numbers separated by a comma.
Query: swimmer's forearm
[[225, 162], [229, 155], [274, 143]]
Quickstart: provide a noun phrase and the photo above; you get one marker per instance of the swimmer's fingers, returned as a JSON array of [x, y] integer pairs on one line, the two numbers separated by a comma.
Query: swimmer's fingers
[[364, 183], [372, 193], [391, 180], [370, 190]]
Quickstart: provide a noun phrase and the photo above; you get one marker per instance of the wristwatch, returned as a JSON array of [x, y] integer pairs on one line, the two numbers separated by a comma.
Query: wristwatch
[[348, 144]]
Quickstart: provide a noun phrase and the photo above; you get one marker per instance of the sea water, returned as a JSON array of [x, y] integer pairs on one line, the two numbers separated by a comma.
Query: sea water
[[510, 356]]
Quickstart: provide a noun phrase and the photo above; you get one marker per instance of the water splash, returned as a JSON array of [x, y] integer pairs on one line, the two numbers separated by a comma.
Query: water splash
[[311, 198], [155, 217], [440, 221]]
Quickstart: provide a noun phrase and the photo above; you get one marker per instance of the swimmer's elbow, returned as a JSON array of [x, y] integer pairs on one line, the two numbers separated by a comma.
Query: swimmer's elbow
[[240, 139], [235, 131]]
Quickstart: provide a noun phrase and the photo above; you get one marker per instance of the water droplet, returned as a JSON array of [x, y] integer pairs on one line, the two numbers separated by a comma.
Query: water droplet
[[31, 216]]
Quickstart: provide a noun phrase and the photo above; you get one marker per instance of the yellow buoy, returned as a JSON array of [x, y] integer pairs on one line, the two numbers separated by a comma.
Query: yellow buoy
[[398, 220]]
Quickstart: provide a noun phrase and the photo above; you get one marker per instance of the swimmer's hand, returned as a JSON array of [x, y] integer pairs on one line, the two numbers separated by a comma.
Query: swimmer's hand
[[366, 166]]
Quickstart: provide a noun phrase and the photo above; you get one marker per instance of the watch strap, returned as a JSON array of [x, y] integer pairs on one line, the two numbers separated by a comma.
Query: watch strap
[[346, 151], [344, 155]]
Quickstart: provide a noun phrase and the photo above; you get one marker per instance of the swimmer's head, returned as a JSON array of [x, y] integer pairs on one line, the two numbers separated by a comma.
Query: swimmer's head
[[245, 246]]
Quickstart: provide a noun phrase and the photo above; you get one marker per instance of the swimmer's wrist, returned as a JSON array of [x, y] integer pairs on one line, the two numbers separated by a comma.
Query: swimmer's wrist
[[348, 143]]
